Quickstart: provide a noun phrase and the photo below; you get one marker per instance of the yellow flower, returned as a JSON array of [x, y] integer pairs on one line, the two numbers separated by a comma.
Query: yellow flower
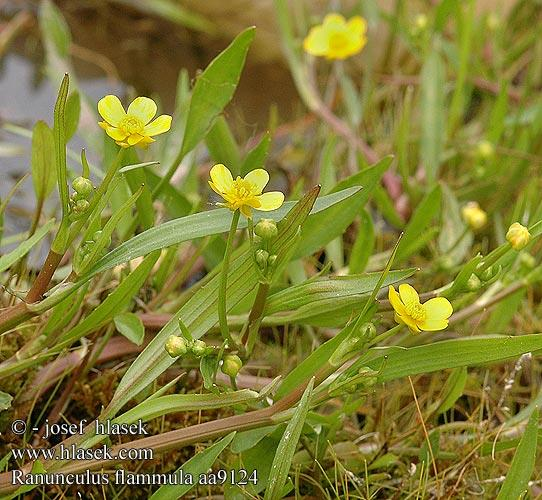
[[518, 236], [430, 316], [244, 194], [473, 215], [336, 38], [132, 127]]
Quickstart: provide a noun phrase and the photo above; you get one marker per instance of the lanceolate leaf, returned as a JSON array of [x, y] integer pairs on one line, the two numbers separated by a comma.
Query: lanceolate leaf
[[43, 160], [521, 470]]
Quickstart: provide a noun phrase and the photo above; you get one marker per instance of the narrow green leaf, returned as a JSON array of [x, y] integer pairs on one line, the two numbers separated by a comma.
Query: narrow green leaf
[[7, 260], [222, 146], [131, 326], [400, 362], [199, 464], [59, 130], [364, 244], [516, 484], [453, 389], [54, 27], [287, 447], [432, 110], [214, 89], [256, 157], [43, 160], [426, 211], [73, 111]]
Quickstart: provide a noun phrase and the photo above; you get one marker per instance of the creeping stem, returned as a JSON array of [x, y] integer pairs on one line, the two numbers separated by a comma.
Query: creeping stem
[[222, 319]]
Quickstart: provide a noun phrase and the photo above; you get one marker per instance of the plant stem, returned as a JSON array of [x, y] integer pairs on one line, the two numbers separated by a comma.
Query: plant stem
[[386, 335], [222, 318]]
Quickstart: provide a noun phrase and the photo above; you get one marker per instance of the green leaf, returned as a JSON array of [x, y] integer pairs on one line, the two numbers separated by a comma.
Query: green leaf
[[363, 245], [5, 401], [222, 146], [256, 157], [43, 160], [197, 226], [452, 229], [73, 111], [199, 464], [432, 111], [7, 260], [131, 326], [54, 27], [287, 447], [516, 484], [214, 89], [452, 390], [59, 131], [398, 362], [425, 213], [208, 366]]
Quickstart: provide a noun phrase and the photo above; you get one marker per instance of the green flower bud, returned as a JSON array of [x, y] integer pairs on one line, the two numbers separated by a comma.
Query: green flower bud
[[473, 283], [271, 260], [266, 229], [261, 257], [518, 236], [231, 365], [367, 332], [81, 206], [199, 348], [176, 346], [83, 186]]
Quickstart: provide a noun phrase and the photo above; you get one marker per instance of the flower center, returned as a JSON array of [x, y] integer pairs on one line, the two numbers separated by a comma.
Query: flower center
[[131, 125], [337, 41], [416, 311], [241, 189]]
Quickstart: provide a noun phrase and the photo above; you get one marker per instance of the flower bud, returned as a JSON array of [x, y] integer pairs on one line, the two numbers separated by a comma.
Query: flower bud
[[81, 206], [485, 150], [83, 186], [473, 283], [518, 236], [199, 348], [261, 257], [266, 229], [176, 346], [473, 215], [231, 365], [271, 260], [367, 332]]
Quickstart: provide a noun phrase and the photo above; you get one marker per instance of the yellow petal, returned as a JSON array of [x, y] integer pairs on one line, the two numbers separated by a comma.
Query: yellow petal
[[432, 325], [334, 19], [221, 177], [111, 110], [316, 43], [438, 308], [259, 178], [270, 201], [408, 294], [115, 133], [134, 139], [408, 321], [395, 301], [142, 108], [159, 126], [357, 26]]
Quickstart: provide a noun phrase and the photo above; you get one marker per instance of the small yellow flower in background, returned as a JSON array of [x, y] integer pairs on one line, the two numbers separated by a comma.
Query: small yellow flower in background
[[518, 236], [132, 127], [430, 316], [473, 215], [337, 38], [244, 193], [485, 149]]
